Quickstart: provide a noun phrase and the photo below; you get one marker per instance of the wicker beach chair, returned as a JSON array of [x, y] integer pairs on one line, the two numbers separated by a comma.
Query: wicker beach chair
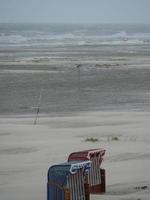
[[68, 181], [96, 177]]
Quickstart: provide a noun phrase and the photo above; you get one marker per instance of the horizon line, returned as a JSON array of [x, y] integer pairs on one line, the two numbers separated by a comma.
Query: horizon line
[[42, 22]]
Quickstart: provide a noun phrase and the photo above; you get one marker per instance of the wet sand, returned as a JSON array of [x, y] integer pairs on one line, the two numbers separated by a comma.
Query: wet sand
[[103, 83]]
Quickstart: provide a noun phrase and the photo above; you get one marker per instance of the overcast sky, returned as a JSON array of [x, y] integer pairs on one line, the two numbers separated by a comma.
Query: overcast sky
[[83, 11]]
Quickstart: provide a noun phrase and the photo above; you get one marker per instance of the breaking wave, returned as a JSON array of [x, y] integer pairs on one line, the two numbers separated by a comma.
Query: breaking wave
[[72, 36]]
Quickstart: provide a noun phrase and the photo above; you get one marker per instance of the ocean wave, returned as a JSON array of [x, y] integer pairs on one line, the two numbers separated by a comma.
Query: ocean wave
[[13, 39], [72, 38]]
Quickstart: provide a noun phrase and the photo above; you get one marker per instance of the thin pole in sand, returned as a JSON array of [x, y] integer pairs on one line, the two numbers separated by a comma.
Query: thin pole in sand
[[79, 79], [38, 106]]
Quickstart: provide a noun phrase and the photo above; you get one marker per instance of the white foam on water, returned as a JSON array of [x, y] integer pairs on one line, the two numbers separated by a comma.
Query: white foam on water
[[13, 39], [75, 38]]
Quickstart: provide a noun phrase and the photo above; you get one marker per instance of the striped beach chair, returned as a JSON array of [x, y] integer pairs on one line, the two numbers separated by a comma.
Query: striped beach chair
[[68, 181], [96, 177]]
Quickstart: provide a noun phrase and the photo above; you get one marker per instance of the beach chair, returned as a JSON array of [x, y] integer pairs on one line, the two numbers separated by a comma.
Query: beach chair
[[68, 181], [96, 177]]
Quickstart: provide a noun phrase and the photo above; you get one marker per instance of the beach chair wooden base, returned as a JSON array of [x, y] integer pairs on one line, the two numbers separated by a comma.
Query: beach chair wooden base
[[100, 188], [87, 191], [67, 195]]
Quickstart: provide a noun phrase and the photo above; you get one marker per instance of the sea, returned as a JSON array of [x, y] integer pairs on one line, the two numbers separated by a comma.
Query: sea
[[70, 68]]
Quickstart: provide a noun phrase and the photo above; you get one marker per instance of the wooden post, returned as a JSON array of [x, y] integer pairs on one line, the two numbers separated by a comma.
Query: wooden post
[[67, 194], [103, 179], [87, 191]]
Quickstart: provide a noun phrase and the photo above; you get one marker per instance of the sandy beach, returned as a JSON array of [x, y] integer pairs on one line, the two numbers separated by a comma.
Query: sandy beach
[[27, 150], [95, 83]]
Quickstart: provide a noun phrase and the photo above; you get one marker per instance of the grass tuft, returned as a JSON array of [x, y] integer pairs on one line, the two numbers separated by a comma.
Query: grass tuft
[[91, 139], [114, 138]]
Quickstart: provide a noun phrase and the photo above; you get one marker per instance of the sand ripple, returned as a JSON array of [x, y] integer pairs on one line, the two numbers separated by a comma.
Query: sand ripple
[[17, 150]]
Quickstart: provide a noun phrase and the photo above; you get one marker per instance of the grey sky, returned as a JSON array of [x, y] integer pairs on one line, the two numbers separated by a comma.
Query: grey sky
[[97, 11]]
